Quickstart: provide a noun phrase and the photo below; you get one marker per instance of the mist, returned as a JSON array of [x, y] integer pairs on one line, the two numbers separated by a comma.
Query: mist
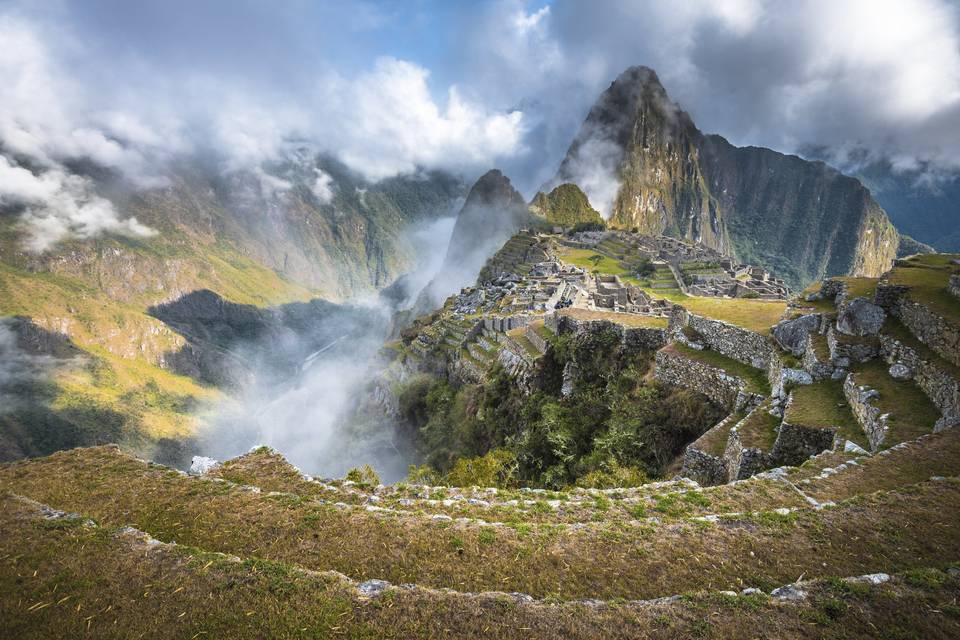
[[325, 414]]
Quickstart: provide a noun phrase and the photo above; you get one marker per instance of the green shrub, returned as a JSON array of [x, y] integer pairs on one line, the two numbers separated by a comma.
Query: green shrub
[[364, 475]]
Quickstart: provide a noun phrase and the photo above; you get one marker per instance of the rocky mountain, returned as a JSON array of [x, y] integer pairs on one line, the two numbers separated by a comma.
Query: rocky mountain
[[566, 206], [921, 201], [492, 212], [641, 154]]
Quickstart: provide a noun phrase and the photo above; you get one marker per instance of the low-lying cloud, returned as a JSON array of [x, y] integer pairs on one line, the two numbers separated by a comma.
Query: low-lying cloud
[[381, 122]]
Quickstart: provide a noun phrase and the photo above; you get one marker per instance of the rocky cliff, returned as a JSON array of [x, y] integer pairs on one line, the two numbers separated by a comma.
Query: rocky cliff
[[640, 156]]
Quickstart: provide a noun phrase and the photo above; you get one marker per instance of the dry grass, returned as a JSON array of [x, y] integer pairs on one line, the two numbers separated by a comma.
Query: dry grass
[[934, 455], [607, 562], [62, 579]]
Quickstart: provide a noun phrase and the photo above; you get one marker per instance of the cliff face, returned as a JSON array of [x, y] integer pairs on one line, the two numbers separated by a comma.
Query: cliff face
[[803, 220]]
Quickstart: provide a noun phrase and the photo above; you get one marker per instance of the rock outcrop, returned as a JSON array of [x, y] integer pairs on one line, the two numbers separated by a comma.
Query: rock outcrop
[[642, 160]]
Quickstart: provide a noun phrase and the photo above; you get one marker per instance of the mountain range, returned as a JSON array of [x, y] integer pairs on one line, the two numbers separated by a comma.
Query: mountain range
[[253, 242]]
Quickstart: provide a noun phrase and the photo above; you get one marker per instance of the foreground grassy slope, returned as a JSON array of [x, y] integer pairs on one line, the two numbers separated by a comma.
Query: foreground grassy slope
[[639, 560], [145, 589]]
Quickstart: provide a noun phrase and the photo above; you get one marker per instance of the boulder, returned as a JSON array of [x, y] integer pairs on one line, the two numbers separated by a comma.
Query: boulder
[[860, 317], [793, 335], [900, 371], [201, 465], [373, 588]]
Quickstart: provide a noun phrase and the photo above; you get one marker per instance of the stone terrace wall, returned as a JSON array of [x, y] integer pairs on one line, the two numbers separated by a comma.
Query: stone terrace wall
[[744, 462], [742, 345], [718, 385], [930, 329], [939, 385], [873, 422], [796, 442], [704, 467], [632, 338]]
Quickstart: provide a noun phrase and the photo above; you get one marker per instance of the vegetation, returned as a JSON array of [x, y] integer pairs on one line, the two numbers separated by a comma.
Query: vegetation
[[566, 206], [823, 405], [927, 276], [911, 412], [617, 423]]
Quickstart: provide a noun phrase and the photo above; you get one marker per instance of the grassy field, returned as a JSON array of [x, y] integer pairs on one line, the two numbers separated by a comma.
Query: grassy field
[[607, 265], [859, 287], [759, 430], [911, 412], [927, 281], [823, 405], [755, 315]]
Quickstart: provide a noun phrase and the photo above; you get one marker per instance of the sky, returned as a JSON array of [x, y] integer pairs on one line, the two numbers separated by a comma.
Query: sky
[[390, 87]]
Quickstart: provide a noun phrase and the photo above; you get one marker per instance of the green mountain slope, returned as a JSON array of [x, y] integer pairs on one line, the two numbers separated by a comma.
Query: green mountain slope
[[234, 234]]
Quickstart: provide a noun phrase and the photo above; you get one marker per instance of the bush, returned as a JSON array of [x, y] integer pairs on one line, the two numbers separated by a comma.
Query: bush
[[364, 475], [613, 476], [498, 468]]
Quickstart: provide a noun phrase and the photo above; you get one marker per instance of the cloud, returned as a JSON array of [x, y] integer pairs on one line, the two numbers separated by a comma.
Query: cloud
[[59, 205], [385, 122], [322, 187], [882, 76]]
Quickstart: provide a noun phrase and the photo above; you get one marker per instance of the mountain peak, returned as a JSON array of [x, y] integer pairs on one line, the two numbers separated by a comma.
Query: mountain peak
[[644, 164], [493, 188]]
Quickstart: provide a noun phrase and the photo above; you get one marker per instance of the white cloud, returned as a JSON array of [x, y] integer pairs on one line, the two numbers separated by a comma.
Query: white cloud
[[322, 187], [385, 122], [59, 205]]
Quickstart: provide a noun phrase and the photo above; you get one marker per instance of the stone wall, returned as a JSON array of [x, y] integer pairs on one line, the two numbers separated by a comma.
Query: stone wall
[[718, 385], [930, 329], [701, 465], [818, 369], [939, 385], [846, 350], [631, 338], [744, 462], [954, 286], [738, 343], [796, 443], [889, 295], [873, 422], [536, 339], [505, 323], [708, 470]]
